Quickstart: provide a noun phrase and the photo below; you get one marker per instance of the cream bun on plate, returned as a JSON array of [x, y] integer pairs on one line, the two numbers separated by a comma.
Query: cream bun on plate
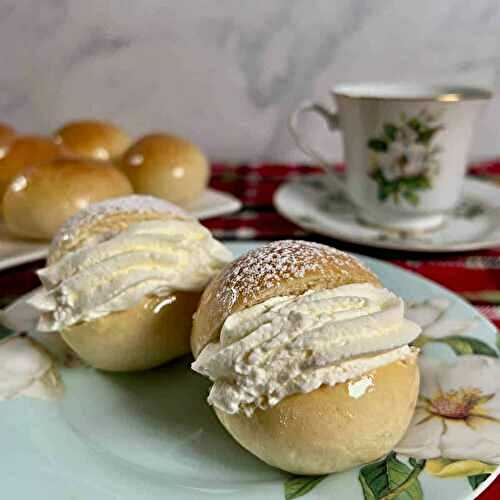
[[309, 357], [123, 279]]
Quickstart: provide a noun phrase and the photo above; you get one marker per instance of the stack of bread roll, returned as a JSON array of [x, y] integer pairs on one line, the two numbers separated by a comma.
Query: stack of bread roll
[[44, 180]]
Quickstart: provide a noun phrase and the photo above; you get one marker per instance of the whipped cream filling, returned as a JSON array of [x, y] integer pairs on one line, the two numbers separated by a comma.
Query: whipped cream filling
[[148, 258], [294, 344]]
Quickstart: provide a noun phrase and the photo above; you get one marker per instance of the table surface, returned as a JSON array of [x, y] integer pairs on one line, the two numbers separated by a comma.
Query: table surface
[[473, 275]]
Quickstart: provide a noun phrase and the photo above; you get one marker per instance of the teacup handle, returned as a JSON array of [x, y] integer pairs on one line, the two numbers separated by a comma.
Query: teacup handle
[[332, 120]]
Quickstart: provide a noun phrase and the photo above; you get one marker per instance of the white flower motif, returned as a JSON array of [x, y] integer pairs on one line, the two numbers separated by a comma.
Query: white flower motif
[[416, 160], [406, 135], [27, 369], [21, 317], [403, 160], [396, 150], [392, 159], [430, 316], [458, 412], [390, 171]]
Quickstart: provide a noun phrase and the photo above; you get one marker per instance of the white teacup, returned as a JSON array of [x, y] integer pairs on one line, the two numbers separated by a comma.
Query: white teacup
[[405, 147]]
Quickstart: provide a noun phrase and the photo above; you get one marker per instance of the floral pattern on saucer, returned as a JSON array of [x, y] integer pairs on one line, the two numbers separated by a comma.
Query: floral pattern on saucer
[[313, 204]]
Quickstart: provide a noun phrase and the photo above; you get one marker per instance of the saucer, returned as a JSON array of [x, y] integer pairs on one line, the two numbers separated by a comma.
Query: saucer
[[313, 205], [14, 251]]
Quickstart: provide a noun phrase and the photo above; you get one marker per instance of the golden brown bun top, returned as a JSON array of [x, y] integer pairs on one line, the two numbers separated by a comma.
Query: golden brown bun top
[[167, 167], [289, 267], [27, 150], [109, 217], [7, 133], [163, 150], [93, 139]]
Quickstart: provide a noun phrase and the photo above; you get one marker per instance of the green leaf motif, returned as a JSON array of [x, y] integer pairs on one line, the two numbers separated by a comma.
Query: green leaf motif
[[420, 182], [498, 340], [469, 209], [298, 486], [411, 197], [415, 462], [5, 332], [415, 124], [378, 145], [468, 345], [390, 131], [425, 135], [491, 296], [389, 189], [475, 481], [391, 479]]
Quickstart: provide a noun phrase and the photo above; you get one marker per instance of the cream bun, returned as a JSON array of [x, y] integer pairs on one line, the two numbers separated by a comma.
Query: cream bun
[[309, 357], [123, 279]]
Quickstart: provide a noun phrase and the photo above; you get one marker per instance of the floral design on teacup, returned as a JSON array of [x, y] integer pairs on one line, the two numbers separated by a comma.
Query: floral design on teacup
[[404, 157]]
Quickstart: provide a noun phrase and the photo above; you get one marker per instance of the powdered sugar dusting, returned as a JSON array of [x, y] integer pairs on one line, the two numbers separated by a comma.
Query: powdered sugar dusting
[[125, 204], [268, 265]]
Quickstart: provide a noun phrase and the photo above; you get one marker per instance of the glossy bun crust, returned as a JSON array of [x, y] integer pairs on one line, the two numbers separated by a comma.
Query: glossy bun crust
[[92, 139], [149, 334], [21, 152], [168, 167], [39, 199], [326, 430]]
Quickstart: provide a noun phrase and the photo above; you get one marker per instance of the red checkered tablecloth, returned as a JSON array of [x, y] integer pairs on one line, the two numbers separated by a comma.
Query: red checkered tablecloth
[[473, 275]]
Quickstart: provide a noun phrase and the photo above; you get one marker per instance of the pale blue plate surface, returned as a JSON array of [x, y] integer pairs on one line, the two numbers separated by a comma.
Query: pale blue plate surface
[[152, 436]]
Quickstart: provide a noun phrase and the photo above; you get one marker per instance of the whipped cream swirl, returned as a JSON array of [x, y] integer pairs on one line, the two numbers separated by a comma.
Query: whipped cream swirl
[[148, 258], [295, 344]]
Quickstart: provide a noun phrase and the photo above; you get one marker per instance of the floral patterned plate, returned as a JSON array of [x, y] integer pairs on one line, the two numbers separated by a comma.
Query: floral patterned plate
[[312, 204], [152, 436]]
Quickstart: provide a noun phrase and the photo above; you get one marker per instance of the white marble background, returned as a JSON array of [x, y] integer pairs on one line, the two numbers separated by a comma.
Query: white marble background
[[227, 73]]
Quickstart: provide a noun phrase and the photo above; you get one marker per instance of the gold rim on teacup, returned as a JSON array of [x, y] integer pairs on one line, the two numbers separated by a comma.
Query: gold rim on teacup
[[411, 92]]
